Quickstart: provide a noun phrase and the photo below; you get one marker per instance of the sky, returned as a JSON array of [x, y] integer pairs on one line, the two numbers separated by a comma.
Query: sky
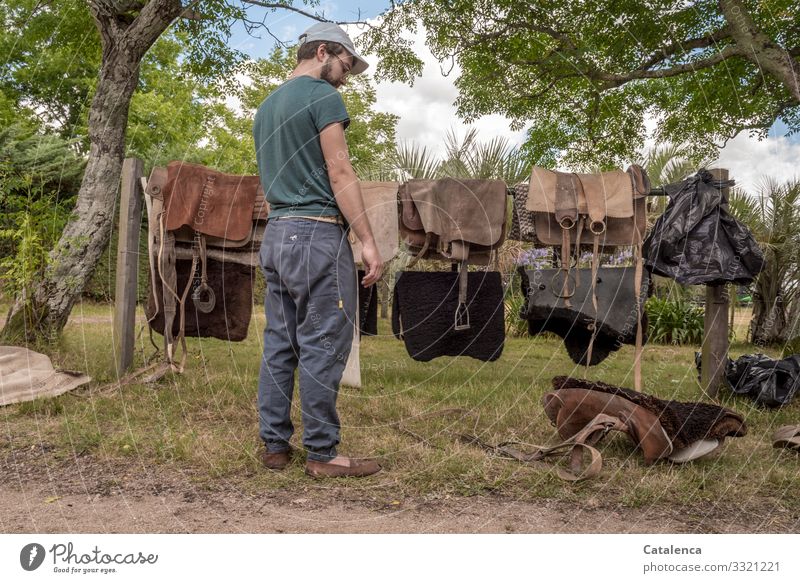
[[426, 111]]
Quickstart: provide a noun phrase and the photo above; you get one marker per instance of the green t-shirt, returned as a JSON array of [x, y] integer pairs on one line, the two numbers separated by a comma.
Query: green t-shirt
[[288, 151]]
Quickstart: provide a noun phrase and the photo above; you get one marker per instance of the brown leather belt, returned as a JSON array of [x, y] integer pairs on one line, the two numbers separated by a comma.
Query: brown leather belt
[[337, 220]]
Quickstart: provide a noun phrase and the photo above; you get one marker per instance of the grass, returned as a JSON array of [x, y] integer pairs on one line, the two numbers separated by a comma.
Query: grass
[[407, 414]]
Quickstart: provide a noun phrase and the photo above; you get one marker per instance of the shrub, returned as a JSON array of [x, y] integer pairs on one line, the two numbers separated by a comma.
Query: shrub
[[674, 321]]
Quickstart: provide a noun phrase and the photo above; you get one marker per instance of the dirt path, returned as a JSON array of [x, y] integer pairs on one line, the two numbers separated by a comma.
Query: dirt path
[[86, 495]]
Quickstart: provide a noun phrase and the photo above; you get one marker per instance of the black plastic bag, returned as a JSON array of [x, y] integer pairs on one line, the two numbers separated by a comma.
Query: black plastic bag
[[769, 382], [696, 241]]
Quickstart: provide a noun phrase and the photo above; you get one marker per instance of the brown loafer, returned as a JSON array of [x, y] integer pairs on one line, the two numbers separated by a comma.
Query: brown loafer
[[355, 468], [275, 461]]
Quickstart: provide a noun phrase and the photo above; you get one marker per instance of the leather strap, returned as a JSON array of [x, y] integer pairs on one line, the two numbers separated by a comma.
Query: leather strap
[[566, 202], [461, 321], [595, 265], [596, 205], [199, 254], [637, 358], [421, 254]]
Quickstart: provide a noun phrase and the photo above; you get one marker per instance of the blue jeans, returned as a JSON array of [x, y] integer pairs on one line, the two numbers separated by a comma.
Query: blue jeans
[[310, 306]]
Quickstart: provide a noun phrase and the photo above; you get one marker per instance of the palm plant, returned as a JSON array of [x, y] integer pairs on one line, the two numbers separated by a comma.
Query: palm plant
[[773, 216]]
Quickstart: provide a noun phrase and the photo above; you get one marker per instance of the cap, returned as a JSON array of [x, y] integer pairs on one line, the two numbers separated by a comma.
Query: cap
[[331, 32]]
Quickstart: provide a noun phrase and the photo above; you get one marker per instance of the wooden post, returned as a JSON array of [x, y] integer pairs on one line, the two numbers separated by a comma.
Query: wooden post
[[715, 323], [130, 220]]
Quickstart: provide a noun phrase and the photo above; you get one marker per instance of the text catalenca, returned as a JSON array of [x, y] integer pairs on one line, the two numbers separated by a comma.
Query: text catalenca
[[671, 550]]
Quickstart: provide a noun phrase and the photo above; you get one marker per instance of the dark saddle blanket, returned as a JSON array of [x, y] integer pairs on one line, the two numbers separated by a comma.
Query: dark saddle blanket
[[232, 284], [426, 323], [616, 319]]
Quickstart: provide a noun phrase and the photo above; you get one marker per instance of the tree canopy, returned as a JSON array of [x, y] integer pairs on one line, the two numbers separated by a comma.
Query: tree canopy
[[583, 76]]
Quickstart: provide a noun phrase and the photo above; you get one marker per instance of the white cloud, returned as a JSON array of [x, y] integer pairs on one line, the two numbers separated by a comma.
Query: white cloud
[[427, 109], [749, 160]]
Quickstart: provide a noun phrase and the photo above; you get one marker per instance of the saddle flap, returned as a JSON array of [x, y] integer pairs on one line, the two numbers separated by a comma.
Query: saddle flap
[[408, 211], [454, 209], [380, 204], [574, 409], [209, 202], [613, 192]]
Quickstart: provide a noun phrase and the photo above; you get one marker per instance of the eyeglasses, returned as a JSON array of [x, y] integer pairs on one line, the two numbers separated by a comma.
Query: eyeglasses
[[345, 66]]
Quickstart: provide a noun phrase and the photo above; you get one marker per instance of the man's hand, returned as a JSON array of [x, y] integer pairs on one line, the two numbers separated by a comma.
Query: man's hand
[[371, 258]]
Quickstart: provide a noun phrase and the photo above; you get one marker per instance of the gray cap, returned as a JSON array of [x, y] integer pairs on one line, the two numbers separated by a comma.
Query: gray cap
[[331, 32]]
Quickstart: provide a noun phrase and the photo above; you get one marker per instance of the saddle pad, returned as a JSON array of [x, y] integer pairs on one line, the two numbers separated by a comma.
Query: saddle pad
[[614, 187], [457, 209], [616, 301], [684, 423], [380, 203], [232, 284], [423, 315], [210, 202]]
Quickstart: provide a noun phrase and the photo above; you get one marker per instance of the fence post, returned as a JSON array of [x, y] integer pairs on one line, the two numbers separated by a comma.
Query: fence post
[[715, 322], [130, 220]]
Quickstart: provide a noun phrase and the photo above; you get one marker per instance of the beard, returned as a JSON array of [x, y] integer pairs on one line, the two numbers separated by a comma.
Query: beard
[[326, 75]]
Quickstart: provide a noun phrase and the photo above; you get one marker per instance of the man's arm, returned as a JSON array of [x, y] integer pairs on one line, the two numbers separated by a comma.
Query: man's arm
[[347, 192]]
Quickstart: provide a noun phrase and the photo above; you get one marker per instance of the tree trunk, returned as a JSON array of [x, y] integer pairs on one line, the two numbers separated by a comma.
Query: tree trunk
[[768, 326], [85, 237]]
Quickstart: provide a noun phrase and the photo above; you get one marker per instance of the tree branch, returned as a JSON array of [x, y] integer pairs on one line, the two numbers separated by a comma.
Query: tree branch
[[616, 80], [683, 47], [314, 16]]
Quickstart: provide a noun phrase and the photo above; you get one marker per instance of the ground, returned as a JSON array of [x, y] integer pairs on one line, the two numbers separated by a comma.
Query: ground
[[181, 456], [87, 495]]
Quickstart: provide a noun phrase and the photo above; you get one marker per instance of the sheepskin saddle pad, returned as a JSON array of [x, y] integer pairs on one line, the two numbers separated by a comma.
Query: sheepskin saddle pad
[[232, 285], [423, 315]]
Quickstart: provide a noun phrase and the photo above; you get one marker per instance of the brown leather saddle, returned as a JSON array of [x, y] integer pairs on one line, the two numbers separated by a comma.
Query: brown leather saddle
[[583, 412], [608, 206], [456, 220], [206, 228]]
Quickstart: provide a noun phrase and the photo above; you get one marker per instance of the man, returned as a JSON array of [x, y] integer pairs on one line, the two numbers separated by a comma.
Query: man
[[311, 296]]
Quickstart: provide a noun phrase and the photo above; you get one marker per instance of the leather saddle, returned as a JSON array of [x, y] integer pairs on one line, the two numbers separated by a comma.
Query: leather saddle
[[456, 220], [610, 206], [583, 412], [453, 219], [205, 230]]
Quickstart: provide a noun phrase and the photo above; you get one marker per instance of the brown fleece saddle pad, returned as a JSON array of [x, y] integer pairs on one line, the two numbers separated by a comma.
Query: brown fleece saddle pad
[[232, 284]]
